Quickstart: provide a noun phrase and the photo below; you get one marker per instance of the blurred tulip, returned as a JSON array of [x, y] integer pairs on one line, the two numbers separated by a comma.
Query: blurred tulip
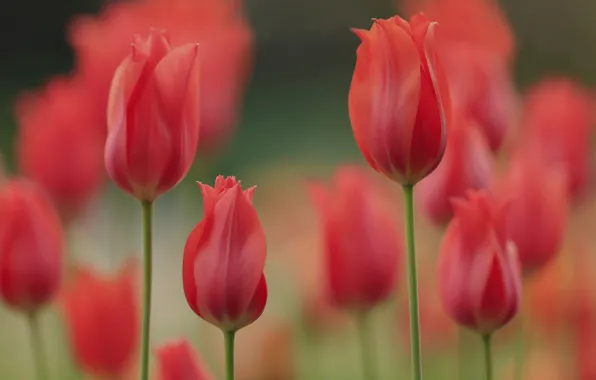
[[399, 101], [59, 145], [362, 247], [276, 359], [557, 116], [153, 117], [31, 246], [467, 165], [479, 276], [102, 42], [224, 258], [538, 209], [102, 318], [179, 361]]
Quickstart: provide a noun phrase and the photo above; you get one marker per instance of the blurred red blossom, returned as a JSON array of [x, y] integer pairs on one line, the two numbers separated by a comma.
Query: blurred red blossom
[[102, 319], [31, 246], [102, 42], [178, 361], [467, 164], [60, 145]]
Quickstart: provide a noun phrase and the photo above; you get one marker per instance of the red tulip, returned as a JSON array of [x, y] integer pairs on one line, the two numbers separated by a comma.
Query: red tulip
[[101, 42], [557, 116], [179, 361], [479, 274], [398, 100], [102, 318], [153, 117], [224, 258], [362, 248], [59, 145], [538, 209], [31, 246], [467, 164]]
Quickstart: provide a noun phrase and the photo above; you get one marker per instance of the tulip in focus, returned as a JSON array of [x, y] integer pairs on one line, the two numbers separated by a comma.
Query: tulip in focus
[[467, 165], [31, 246], [179, 361], [479, 275], [153, 117], [362, 247], [224, 258], [102, 318], [399, 101]]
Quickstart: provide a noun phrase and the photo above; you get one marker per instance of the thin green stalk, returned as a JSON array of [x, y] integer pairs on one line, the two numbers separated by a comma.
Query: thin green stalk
[[488, 359], [461, 353], [229, 347], [147, 272], [37, 347], [367, 346], [412, 283], [520, 349]]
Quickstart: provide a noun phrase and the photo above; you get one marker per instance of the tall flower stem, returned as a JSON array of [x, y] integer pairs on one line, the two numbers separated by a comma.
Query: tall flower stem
[[147, 273], [367, 350], [412, 283], [37, 347], [520, 349], [229, 337], [488, 359]]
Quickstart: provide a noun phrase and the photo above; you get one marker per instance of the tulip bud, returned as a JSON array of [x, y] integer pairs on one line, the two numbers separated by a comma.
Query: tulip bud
[[31, 246], [224, 258], [399, 102], [362, 247], [153, 117], [179, 361], [102, 318], [479, 274]]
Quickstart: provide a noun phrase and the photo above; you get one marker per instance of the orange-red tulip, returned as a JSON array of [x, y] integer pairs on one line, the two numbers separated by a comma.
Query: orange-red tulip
[[153, 117], [362, 246], [102, 318], [31, 246], [179, 361], [398, 101], [467, 164], [59, 145], [479, 273], [224, 258]]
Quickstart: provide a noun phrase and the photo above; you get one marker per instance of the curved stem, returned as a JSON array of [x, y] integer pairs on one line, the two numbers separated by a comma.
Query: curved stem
[[229, 347], [367, 350], [37, 347], [147, 269], [488, 356], [412, 283]]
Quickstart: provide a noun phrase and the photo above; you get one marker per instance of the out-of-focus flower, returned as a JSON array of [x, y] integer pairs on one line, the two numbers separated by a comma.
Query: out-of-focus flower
[[31, 246], [537, 213], [179, 361], [102, 42], [467, 165], [557, 116], [153, 117], [362, 247], [479, 275], [276, 357], [59, 145], [102, 318], [399, 101], [224, 258]]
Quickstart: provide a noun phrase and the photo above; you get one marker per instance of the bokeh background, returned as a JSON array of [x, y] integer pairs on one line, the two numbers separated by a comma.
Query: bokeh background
[[294, 126]]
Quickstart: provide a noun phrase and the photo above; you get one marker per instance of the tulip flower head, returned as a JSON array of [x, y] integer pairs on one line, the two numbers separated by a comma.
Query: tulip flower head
[[479, 276], [153, 117], [179, 361], [399, 101], [224, 258]]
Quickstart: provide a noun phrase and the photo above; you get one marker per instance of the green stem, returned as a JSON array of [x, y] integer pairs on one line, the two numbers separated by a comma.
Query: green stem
[[37, 346], [461, 354], [147, 264], [520, 349], [488, 360], [229, 347], [412, 283], [367, 350]]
